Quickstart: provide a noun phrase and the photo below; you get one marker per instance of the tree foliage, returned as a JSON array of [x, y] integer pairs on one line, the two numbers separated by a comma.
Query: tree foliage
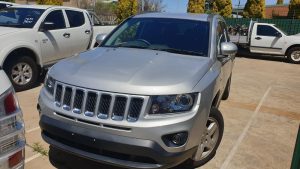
[[222, 7], [294, 9], [196, 6], [105, 8], [49, 2], [125, 9], [279, 2], [254, 9]]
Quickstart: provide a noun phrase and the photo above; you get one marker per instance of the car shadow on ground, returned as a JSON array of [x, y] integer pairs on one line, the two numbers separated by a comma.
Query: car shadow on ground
[[63, 160]]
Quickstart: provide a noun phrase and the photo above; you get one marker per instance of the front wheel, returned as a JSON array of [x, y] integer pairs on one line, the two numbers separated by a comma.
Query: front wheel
[[293, 55], [210, 141], [22, 72]]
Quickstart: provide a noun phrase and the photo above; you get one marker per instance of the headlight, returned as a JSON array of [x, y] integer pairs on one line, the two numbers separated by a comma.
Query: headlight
[[49, 84], [172, 103]]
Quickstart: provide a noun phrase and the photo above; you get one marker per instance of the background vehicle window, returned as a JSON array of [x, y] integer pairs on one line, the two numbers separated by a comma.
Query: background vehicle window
[[19, 17], [57, 18], [2, 6], [75, 18], [264, 30]]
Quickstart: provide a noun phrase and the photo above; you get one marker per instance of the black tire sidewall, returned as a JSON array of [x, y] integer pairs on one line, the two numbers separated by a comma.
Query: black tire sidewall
[[31, 63], [289, 55]]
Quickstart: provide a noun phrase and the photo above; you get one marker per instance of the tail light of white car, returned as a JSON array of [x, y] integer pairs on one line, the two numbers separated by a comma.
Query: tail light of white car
[[12, 139]]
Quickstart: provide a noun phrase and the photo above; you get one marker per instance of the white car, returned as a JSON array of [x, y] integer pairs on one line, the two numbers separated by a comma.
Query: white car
[[12, 140], [33, 37], [265, 38]]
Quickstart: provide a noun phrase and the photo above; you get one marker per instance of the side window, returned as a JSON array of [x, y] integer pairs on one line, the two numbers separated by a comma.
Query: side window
[[75, 18], [57, 18], [265, 30]]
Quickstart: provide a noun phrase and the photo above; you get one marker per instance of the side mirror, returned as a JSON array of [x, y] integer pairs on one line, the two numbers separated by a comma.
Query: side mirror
[[278, 35], [228, 48], [47, 26], [100, 38]]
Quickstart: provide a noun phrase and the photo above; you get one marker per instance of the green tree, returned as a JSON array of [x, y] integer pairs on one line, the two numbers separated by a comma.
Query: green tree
[[279, 2], [105, 8], [254, 9], [294, 9], [49, 2], [125, 9], [196, 6], [222, 7]]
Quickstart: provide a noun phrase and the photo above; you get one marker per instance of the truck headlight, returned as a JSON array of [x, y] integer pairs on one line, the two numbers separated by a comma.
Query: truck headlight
[[49, 84], [172, 103]]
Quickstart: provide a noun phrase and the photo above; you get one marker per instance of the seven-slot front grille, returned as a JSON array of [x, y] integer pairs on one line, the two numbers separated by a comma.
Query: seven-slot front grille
[[98, 104]]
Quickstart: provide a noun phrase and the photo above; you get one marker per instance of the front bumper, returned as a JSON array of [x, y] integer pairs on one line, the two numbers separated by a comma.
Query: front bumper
[[109, 148]]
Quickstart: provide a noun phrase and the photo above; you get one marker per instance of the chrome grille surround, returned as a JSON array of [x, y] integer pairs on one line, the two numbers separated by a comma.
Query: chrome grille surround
[[98, 105]]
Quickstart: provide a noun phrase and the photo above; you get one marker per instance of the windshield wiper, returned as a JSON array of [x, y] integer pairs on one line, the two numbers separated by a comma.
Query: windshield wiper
[[179, 51]]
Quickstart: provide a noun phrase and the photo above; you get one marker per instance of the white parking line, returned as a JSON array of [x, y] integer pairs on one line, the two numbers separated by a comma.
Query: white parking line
[[32, 130], [27, 160], [242, 136]]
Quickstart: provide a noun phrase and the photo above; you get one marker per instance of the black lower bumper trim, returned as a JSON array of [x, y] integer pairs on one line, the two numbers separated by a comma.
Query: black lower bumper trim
[[107, 148]]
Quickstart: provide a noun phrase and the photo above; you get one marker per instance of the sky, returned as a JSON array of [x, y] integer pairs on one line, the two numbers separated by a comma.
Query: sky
[[179, 6]]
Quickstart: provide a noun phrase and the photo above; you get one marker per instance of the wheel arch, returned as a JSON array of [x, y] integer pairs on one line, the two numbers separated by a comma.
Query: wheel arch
[[215, 102], [289, 48], [24, 50]]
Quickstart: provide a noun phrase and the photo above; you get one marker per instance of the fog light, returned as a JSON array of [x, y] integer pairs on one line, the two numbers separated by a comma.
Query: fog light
[[176, 139]]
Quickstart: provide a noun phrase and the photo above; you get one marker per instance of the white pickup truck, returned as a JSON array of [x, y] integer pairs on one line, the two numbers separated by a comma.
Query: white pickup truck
[[33, 37], [264, 38]]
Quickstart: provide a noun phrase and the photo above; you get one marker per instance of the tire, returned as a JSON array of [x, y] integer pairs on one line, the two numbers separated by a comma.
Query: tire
[[293, 55], [226, 93], [23, 72], [192, 163]]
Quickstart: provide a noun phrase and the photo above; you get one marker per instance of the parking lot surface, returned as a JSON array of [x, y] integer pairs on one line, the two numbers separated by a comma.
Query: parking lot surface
[[261, 117]]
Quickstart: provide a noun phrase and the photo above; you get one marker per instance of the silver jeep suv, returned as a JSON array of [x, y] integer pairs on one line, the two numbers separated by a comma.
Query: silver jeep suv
[[147, 97]]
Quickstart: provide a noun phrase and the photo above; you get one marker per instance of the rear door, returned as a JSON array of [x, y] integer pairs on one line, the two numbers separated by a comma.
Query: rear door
[[54, 42], [80, 29], [266, 39]]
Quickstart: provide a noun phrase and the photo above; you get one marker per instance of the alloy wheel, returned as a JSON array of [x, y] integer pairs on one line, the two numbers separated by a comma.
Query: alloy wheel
[[209, 140], [21, 73], [295, 56]]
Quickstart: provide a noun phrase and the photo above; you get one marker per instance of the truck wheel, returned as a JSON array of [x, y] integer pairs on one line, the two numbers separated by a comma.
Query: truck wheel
[[22, 72], [209, 142], [293, 55], [226, 93]]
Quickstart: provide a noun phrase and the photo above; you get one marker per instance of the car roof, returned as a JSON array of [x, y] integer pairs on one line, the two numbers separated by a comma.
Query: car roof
[[187, 16]]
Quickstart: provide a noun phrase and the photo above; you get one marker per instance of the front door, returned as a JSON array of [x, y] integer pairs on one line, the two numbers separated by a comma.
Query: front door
[[267, 40], [80, 30], [55, 41]]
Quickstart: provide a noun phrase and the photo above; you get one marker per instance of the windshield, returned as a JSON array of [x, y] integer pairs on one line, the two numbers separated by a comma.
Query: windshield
[[171, 35], [19, 17]]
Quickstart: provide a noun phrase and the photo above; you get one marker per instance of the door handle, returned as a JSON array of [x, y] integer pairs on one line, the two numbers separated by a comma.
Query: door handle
[[87, 31], [66, 35], [258, 38]]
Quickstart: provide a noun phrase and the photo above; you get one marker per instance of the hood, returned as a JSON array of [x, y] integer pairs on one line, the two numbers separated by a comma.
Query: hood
[[8, 30], [132, 71]]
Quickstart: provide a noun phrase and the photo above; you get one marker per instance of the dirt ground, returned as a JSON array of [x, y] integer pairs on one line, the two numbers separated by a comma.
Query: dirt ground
[[261, 116]]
